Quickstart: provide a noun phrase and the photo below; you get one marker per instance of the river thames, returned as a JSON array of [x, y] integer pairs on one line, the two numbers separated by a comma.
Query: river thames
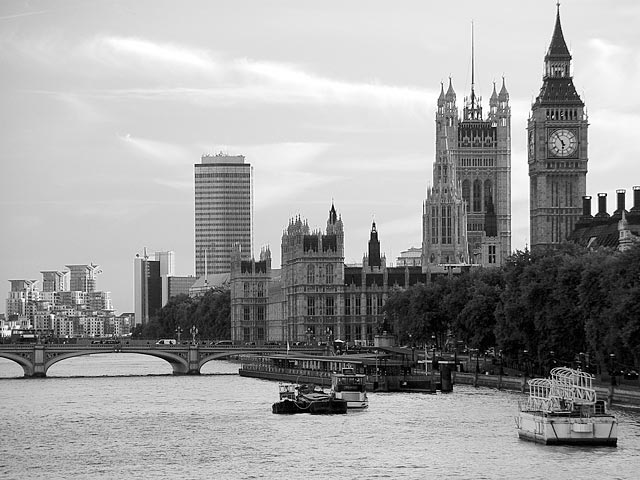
[[113, 416]]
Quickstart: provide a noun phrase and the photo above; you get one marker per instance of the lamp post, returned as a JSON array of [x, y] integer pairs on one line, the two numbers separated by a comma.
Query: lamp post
[[194, 332], [477, 370], [500, 371], [179, 332], [612, 374], [525, 358]]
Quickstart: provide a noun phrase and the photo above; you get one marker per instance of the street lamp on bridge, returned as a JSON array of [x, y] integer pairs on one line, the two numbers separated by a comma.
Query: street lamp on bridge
[[194, 332], [179, 332]]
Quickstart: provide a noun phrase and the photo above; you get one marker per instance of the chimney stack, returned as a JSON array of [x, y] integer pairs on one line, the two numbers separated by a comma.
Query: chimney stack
[[602, 206], [586, 207], [620, 208], [636, 199]]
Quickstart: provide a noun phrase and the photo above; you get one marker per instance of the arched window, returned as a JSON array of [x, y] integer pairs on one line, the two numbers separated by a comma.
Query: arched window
[[477, 196], [466, 192], [488, 193], [330, 276], [311, 273]]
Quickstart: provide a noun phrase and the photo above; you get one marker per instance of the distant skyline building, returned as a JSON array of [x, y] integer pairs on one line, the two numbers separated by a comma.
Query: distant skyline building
[[21, 295], [82, 278], [557, 130], [147, 288], [53, 280], [223, 209], [148, 272]]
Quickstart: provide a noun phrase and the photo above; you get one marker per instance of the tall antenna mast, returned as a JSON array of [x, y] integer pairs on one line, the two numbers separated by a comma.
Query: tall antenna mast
[[473, 94]]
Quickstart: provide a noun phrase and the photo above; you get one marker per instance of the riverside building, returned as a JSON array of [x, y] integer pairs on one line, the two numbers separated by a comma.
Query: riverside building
[[314, 297], [222, 211]]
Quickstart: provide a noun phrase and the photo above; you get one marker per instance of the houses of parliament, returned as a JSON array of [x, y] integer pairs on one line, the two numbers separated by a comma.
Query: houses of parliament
[[466, 219]]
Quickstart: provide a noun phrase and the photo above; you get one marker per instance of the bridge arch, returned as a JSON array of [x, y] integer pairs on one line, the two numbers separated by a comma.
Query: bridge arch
[[24, 362], [180, 365]]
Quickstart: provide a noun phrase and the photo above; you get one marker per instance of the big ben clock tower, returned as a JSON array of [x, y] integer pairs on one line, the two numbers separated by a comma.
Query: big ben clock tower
[[557, 144]]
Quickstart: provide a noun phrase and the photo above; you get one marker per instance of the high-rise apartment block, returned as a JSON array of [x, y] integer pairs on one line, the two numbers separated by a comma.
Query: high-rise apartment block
[[22, 294], [222, 211], [82, 278], [65, 304], [53, 281], [557, 130]]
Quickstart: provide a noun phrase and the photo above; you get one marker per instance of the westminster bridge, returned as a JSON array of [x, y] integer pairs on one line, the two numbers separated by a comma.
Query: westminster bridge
[[185, 359]]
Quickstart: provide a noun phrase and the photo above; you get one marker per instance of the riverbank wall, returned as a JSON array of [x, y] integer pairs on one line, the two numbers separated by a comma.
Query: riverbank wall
[[616, 395]]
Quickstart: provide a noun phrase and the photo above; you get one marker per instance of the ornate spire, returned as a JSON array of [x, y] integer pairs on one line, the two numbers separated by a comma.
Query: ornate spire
[[450, 92], [441, 97], [472, 109], [333, 216], [504, 95], [558, 48], [494, 95]]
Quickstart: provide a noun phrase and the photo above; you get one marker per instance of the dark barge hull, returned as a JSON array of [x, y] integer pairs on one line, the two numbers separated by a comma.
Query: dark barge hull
[[321, 407]]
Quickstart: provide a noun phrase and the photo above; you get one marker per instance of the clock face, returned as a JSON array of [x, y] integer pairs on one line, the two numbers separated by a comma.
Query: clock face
[[562, 143]]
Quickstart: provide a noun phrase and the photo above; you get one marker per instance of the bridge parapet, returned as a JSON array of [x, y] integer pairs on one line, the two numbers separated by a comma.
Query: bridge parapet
[[36, 359]]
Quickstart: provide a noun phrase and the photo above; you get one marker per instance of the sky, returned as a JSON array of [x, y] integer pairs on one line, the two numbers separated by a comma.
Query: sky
[[106, 105]]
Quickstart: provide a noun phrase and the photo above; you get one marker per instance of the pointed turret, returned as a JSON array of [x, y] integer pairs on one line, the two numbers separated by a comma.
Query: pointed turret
[[451, 94], [558, 59], [494, 96], [374, 247], [333, 215], [558, 85], [503, 96], [558, 48], [441, 97]]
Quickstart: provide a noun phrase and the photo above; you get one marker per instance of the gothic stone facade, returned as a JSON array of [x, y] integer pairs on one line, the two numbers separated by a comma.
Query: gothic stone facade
[[314, 297], [558, 158]]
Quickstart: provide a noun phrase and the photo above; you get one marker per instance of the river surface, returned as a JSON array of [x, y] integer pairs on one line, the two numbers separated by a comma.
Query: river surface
[[120, 416]]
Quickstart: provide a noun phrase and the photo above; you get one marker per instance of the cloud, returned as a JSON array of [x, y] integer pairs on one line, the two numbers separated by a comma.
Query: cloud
[[162, 151], [119, 50], [231, 80], [19, 15]]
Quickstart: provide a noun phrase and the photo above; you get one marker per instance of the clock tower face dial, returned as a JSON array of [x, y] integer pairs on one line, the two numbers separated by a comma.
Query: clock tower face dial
[[562, 143]]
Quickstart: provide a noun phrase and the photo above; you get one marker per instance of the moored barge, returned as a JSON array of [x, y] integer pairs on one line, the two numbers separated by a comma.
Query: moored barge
[[563, 410]]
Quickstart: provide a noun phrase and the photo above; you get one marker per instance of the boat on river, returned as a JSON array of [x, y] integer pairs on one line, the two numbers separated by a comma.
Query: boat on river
[[563, 410], [351, 387], [296, 398]]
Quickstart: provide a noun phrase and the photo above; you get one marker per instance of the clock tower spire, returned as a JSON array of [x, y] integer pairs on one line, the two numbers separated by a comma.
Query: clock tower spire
[[557, 133]]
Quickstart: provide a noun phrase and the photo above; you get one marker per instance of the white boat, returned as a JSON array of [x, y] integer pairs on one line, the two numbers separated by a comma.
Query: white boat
[[350, 386], [563, 410]]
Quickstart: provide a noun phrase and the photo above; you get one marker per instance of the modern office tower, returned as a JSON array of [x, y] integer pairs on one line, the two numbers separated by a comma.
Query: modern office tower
[[172, 286], [22, 295], [52, 281], [222, 211], [467, 214], [557, 130], [82, 278], [167, 262], [147, 287]]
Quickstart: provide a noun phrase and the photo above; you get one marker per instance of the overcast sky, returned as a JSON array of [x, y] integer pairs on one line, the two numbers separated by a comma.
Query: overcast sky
[[106, 106]]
